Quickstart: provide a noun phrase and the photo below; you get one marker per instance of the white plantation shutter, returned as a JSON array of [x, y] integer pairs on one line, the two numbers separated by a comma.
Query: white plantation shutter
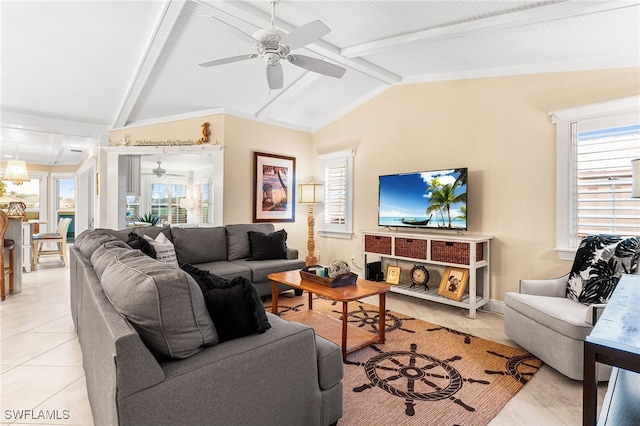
[[338, 194], [603, 180], [204, 203], [335, 197]]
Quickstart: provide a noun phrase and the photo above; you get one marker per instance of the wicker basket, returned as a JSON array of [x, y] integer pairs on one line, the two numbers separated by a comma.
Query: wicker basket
[[411, 247], [338, 281], [377, 244], [452, 252]]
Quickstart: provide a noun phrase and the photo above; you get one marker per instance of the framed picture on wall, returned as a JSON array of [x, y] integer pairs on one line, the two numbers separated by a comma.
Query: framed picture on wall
[[274, 188], [454, 282]]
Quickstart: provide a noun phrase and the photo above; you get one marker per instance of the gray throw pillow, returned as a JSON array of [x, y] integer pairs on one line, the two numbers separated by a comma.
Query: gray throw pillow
[[238, 238], [164, 305]]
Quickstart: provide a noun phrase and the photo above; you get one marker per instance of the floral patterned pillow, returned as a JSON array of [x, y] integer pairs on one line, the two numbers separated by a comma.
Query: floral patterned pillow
[[599, 263]]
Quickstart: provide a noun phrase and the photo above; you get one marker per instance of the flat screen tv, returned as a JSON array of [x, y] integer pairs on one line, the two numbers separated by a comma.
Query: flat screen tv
[[432, 199]]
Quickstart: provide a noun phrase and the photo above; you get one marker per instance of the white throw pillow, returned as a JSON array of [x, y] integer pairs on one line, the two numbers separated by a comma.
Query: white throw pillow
[[165, 251]]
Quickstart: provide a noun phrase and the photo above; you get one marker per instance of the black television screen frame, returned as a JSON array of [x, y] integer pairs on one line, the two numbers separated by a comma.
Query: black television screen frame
[[400, 197]]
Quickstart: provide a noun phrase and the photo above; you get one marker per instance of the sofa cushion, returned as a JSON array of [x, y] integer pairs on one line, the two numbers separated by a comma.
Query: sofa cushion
[[234, 305], [88, 241], [560, 314], [164, 304], [165, 251], [199, 245], [238, 238], [226, 269], [599, 263], [109, 252], [260, 269], [268, 246]]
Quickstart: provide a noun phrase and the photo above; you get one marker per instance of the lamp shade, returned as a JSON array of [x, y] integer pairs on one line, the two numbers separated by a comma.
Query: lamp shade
[[310, 193], [16, 172], [635, 178], [187, 203]]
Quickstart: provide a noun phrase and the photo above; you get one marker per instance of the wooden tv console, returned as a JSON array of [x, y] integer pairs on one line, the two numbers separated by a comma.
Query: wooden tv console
[[437, 251]]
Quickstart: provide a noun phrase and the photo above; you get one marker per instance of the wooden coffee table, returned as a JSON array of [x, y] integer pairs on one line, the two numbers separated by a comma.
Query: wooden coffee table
[[349, 337]]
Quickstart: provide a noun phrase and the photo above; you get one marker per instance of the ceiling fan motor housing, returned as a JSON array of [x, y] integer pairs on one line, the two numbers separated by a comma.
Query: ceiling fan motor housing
[[269, 45]]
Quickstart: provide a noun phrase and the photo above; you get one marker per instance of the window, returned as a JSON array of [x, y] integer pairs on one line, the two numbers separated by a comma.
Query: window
[[337, 170], [595, 146], [64, 200], [33, 194], [165, 202], [28, 193]]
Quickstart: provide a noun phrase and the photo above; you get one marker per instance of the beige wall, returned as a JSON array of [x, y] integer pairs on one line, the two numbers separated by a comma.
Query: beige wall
[[497, 127], [244, 137]]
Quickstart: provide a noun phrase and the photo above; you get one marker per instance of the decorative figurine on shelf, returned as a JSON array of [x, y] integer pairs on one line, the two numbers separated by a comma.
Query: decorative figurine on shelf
[[419, 276], [205, 133]]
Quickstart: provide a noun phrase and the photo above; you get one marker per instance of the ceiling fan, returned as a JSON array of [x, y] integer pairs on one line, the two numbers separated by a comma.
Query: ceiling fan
[[274, 45], [159, 171]]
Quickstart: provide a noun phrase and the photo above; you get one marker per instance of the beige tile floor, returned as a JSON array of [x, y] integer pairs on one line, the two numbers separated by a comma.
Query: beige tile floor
[[41, 363]]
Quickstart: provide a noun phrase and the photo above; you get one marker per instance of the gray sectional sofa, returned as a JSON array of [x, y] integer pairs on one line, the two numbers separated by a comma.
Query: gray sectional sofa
[[222, 250], [151, 354]]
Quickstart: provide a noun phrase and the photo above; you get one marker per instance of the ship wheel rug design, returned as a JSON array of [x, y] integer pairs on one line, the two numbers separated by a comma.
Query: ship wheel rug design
[[424, 374]]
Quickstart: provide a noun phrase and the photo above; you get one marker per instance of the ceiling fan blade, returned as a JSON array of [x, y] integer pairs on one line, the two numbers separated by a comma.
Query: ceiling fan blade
[[274, 76], [228, 60], [236, 32], [306, 34], [316, 65]]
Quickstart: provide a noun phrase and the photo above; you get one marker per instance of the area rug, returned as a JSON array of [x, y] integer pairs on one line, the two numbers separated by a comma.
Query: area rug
[[424, 374]]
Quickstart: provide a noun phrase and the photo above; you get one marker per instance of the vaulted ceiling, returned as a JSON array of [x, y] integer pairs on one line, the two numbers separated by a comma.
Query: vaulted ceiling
[[72, 70]]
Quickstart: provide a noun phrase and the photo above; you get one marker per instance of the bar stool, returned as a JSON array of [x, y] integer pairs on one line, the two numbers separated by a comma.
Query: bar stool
[[5, 245]]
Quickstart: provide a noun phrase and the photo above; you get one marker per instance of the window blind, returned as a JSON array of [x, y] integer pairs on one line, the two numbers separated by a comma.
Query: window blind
[[603, 181], [335, 193]]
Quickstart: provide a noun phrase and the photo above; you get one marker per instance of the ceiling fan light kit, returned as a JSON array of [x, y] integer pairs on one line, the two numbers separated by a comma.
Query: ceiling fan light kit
[[274, 45]]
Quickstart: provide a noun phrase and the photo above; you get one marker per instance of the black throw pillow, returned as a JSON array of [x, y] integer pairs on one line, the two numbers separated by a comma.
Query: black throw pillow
[[268, 246], [234, 305], [135, 241]]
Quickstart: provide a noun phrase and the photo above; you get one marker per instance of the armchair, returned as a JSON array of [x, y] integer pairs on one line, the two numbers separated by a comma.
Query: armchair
[[551, 318]]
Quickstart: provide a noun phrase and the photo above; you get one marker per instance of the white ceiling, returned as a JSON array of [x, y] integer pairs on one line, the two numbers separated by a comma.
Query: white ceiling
[[72, 70]]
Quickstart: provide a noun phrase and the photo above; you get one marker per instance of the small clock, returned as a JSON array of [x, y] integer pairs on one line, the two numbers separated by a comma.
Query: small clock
[[419, 276]]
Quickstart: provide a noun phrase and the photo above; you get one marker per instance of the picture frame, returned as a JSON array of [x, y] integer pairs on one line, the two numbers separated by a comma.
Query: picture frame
[[274, 188], [453, 283], [393, 275]]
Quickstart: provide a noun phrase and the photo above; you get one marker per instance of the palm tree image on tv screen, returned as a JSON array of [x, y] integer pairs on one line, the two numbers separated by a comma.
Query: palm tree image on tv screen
[[431, 199]]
